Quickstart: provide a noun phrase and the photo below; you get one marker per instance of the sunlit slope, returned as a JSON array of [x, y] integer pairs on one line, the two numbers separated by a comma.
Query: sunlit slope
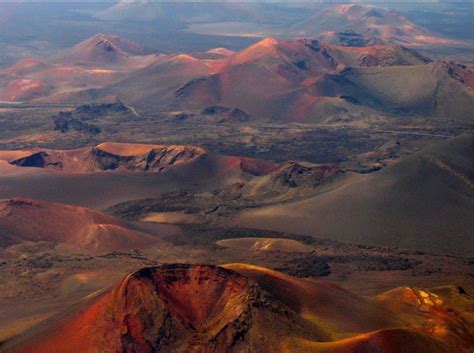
[[338, 311], [402, 320]]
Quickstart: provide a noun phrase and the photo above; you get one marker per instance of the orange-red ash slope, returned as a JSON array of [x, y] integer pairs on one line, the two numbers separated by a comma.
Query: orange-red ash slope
[[242, 308], [76, 228]]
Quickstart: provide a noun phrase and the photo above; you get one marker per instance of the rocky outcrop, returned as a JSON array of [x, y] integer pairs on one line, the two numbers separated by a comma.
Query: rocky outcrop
[[296, 174], [290, 177], [40, 159], [352, 39], [80, 118], [111, 156], [66, 122], [226, 114], [156, 159], [97, 110]]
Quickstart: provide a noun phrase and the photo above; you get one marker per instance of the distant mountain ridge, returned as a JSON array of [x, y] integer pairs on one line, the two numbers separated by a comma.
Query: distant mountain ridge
[[375, 23], [300, 80], [303, 80]]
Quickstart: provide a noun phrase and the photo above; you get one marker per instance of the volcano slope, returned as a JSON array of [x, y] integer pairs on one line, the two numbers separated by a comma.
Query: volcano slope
[[395, 321], [424, 202], [439, 89], [102, 50], [202, 308], [75, 228]]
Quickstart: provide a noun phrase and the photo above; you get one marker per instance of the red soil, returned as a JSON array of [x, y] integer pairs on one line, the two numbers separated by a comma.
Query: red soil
[[24, 89], [74, 227]]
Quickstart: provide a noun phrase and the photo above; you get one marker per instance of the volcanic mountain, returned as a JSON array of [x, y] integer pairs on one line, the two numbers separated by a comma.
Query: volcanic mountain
[[317, 56], [406, 205], [294, 72], [201, 308], [157, 82], [286, 66], [175, 308], [77, 228], [102, 50], [93, 63], [377, 24], [307, 81]]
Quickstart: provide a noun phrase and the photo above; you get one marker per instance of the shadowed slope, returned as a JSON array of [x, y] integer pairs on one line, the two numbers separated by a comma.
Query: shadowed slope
[[424, 202], [438, 89]]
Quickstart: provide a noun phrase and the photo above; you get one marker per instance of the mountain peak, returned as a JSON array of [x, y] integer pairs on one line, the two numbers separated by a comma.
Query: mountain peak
[[102, 49], [126, 45], [268, 42]]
